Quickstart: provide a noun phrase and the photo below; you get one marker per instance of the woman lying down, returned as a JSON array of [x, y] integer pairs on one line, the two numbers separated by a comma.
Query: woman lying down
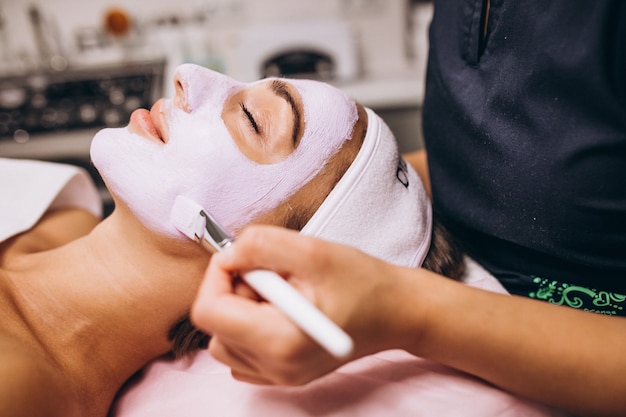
[[87, 303]]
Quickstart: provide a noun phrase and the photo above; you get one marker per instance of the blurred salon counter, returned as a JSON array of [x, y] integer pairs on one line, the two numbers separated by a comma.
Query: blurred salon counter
[[53, 115], [46, 101]]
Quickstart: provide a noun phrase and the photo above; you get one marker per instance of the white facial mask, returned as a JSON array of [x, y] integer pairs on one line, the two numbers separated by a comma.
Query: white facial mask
[[202, 162]]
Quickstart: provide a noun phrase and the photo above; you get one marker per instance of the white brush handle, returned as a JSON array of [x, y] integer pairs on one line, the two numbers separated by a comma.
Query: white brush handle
[[273, 288]]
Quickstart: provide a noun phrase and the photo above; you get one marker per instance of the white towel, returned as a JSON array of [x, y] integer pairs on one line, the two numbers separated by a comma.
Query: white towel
[[380, 205], [29, 188]]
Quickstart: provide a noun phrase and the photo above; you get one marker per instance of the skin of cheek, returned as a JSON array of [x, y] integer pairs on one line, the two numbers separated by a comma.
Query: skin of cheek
[[201, 161]]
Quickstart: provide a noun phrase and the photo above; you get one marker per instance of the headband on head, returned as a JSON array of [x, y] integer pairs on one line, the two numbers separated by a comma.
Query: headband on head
[[379, 206]]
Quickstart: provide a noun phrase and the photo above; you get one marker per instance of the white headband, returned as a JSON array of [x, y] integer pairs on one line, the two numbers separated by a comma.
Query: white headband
[[380, 205]]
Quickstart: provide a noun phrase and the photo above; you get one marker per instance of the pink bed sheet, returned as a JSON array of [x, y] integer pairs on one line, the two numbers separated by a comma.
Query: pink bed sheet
[[390, 383]]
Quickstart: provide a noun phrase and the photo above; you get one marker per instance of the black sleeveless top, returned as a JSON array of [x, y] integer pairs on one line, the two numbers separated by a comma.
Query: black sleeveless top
[[525, 129]]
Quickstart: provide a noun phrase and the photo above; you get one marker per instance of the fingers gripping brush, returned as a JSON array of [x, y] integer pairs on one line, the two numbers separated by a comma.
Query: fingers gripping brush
[[197, 224]]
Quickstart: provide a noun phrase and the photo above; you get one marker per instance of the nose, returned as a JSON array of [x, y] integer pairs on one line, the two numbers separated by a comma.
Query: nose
[[181, 100], [196, 86]]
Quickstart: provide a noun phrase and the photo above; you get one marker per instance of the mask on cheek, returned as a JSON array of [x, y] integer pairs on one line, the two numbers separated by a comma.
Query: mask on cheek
[[202, 162]]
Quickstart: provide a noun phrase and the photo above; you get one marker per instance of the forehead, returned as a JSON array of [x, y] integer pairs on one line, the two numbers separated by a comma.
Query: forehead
[[309, 93], [325, 107], [272, 88]]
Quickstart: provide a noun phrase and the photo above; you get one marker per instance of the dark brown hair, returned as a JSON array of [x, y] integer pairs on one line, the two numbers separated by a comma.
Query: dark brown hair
[[445, 256]]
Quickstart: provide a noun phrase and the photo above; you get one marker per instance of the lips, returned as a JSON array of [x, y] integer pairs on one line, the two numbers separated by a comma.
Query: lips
[[149, 124], [157, 112]]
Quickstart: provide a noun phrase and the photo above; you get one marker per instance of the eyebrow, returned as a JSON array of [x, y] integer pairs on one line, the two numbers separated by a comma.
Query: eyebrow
[[280, 89]]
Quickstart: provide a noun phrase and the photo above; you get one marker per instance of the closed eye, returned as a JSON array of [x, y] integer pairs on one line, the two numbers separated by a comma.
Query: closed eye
[[250, 118]]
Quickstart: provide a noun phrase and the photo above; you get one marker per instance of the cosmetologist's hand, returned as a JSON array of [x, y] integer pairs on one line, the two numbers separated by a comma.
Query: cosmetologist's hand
[[361, 294]]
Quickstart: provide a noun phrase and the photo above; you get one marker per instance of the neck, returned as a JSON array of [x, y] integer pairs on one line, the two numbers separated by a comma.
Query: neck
[[101, 307]]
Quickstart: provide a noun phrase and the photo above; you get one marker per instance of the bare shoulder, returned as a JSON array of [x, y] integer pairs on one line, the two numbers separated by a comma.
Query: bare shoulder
[[29, 385], [56, 228]]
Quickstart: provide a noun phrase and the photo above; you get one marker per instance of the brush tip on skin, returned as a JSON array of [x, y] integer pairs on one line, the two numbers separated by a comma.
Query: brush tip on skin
[[185, 216]]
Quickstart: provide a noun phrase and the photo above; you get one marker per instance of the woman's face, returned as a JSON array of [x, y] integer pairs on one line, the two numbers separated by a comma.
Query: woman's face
[[236, 149]]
